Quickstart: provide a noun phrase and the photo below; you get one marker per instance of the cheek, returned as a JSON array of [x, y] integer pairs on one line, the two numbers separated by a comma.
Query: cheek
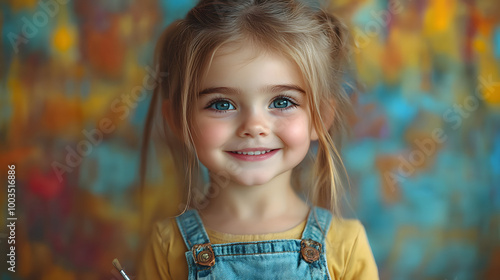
[[295, 131], [210, 133]]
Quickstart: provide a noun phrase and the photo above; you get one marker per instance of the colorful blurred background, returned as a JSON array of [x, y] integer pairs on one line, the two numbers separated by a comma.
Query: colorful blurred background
[[424, 158]]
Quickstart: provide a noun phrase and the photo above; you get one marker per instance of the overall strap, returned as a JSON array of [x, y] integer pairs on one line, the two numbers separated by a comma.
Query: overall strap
[[191, 228], [317, 225]]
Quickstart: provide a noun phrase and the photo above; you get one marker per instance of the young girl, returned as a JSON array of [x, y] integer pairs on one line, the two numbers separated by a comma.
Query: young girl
[[254, 95]]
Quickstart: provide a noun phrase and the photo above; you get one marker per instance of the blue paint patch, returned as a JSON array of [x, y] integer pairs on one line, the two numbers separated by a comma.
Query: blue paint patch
[[461, 258], [400, 115], [27, 32], [495, 155], [138, 118], [495, 171], [399, 111], [7, 276], [9, 31], [399, 108], [174, 9], [360, 156], [381, 226], [366, 14], [412, 254], [85, 87], [496, 42], [109, 169], [429, 103], [426, 208]]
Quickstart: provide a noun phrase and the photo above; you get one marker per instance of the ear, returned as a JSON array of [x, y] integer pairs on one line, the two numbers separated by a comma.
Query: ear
[[327, 111], [314, 134]]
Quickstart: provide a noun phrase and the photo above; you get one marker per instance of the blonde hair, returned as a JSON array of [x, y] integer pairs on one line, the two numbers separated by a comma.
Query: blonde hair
[[312, 38]]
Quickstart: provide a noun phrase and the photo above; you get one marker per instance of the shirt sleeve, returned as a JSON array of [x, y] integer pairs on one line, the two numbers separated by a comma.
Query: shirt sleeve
[[154, 263], [361, 264]]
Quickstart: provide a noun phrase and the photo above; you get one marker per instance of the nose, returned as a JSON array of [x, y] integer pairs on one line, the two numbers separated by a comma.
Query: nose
[[254, 124]]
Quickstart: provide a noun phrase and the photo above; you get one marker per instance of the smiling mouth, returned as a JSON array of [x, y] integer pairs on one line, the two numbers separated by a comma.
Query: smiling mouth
[[252, 153]]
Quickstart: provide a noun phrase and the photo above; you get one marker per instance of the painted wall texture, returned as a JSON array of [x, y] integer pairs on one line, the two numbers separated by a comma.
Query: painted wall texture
[[424, 157]]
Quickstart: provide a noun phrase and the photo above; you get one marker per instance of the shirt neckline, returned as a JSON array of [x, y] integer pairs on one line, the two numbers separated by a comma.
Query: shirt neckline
[[217, 237]]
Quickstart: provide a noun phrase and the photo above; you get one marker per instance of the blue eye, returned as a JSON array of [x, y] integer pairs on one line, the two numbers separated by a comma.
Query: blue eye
[[221, 105], [282, 103]]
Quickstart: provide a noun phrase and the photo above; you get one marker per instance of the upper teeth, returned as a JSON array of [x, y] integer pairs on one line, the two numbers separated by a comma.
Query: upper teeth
[[256, 153]]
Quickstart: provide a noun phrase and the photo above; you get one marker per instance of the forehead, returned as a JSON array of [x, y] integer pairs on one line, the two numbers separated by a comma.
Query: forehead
[[245, 64]]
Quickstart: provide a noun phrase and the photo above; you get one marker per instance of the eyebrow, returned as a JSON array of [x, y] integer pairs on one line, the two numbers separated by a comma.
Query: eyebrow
[[270, 89]]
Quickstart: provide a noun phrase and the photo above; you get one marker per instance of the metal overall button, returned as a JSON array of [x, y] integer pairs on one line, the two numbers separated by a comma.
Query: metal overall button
[[309, 250], [203, 254]]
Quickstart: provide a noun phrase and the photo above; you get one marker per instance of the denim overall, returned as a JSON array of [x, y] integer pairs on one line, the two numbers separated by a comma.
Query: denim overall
[[271, 259]]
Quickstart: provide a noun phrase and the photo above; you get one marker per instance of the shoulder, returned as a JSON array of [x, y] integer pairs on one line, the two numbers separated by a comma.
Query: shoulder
[[343, 236], [348, 251], [164, 254], [168, 238], [344, 230], [166, 230]]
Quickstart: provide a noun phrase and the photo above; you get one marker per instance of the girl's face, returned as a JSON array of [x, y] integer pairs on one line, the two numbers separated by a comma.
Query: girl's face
[[251, 121]]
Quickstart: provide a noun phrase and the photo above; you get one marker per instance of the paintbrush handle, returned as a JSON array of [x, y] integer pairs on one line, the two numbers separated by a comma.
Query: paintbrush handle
[[124, 275]]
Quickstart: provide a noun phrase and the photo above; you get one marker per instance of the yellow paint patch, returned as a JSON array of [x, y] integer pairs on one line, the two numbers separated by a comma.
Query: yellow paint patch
[[15, 86], [126, 24], [63, 38], [57, 272], [25, 260], [491, 94], [480, 45], [439, 17], [22, 4], [19, 100]]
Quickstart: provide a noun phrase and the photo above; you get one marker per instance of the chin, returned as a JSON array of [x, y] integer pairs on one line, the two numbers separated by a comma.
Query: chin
[[253, 180]]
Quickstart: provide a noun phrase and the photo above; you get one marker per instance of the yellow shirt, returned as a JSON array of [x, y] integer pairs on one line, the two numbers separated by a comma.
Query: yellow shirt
[[348, 253]]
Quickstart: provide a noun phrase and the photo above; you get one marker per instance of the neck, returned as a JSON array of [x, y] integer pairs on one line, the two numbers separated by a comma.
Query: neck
[[235, 204]]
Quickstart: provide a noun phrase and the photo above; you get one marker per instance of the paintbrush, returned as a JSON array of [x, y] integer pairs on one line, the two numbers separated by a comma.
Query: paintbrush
[[117, 265]]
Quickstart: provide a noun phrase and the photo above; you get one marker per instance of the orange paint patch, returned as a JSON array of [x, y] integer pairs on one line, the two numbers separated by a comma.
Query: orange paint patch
[[57, 272], [22, 4], [387, 166], [483, 24], [62, 115], [106, 49], [493, 269], [18, 155], [24, 259]]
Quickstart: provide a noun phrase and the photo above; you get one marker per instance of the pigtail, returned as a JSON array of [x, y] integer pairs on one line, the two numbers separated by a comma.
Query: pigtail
[[169, 70], [329, 174], [152, 111], [148, 130]]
